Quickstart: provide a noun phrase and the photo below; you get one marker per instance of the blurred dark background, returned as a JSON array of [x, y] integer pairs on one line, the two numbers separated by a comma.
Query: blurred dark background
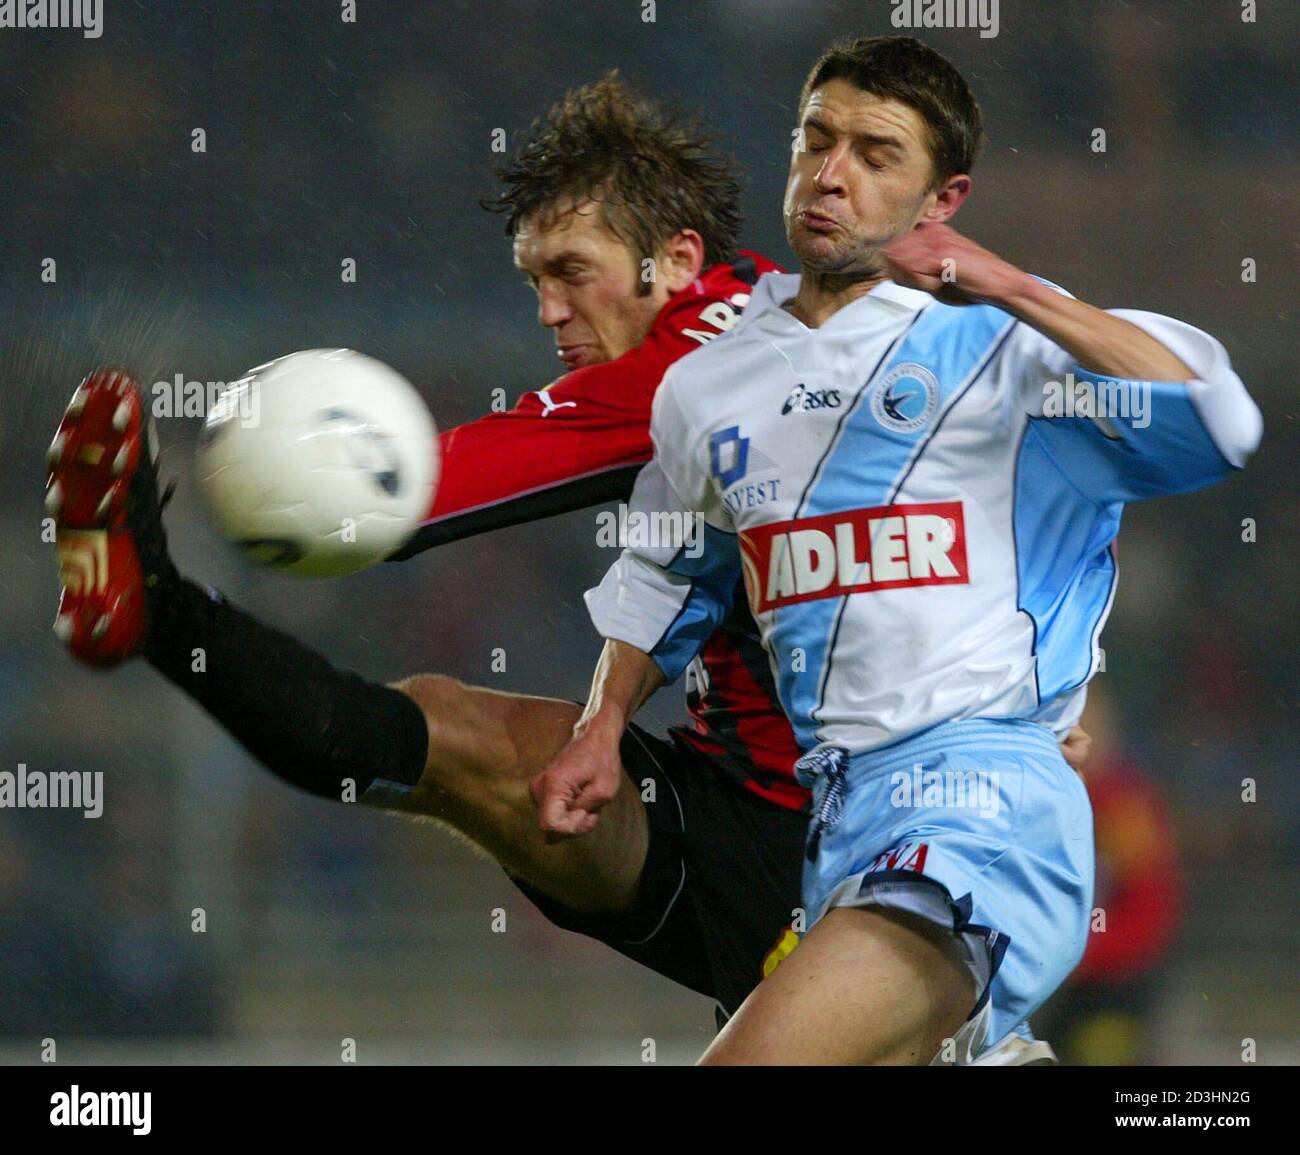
[[372, 140]]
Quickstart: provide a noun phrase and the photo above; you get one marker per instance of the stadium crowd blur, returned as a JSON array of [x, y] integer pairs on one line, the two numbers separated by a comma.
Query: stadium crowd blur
[[373, 141]]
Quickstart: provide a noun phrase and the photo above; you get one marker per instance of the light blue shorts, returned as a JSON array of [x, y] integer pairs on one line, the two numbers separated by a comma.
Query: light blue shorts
[[980, 826]]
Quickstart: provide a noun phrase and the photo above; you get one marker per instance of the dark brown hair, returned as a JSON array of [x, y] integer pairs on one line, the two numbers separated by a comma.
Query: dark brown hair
[[906, 70], [654, 173]]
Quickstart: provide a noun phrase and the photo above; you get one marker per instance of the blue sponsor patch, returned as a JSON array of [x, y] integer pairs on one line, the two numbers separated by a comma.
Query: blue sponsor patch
[[728, 455]]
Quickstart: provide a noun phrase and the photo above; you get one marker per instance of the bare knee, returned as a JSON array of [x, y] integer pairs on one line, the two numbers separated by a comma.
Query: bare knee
[[484, 745], [469, 733]]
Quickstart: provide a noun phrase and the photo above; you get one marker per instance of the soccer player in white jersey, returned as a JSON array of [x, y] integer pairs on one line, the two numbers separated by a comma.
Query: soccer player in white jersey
[[918, 456]]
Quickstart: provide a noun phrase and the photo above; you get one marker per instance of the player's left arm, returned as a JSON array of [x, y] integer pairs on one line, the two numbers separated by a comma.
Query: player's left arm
[[939, 260], [581, 440], [1177, 417]]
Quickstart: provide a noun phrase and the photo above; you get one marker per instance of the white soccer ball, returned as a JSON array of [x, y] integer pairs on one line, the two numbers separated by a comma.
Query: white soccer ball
[[322, 462]]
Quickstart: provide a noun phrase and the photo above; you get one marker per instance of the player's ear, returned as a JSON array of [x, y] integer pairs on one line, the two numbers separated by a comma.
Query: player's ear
[[681, 260], [948, 198]]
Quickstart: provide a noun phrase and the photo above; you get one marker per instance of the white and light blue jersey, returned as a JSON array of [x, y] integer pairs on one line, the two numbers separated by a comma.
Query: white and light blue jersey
[[922, 499]]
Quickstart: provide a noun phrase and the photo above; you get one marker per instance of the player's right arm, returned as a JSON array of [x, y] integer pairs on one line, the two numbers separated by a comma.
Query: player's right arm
[[656, 606], [584, 777]]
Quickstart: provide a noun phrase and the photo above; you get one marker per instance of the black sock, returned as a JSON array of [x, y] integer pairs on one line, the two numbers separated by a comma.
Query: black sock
[[311, 724]]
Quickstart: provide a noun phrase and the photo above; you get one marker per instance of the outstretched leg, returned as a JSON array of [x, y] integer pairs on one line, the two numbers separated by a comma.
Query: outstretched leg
[[430, 745]]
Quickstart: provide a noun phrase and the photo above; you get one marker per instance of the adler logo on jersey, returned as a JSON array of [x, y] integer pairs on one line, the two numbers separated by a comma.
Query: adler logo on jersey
[[857, 551]]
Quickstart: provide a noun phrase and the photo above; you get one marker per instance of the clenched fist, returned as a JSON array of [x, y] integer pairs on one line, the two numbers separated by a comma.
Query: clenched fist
[[952, 268]]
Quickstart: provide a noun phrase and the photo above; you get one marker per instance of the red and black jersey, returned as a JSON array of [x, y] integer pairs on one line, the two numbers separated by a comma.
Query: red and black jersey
[[581, 441]]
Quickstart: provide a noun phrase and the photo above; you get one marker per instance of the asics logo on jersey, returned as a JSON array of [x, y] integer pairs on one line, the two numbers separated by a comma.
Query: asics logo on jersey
[[857, 551], [83, 560], [802, 399], [906, 398], [549, 406]]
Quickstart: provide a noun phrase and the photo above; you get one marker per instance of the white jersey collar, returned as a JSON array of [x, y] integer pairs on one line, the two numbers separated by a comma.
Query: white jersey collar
[[774, 289]]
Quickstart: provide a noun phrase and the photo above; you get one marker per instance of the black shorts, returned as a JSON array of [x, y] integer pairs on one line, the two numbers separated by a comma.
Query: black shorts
[[721, 881]]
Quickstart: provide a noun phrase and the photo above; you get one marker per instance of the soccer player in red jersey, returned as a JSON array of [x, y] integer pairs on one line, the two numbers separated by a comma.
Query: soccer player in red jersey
[[625, 224]]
